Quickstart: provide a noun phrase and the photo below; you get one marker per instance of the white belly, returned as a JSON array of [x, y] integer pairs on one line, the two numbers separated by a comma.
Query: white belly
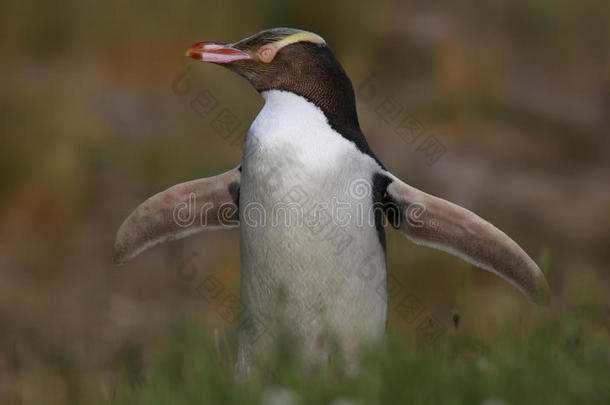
[[311, 257]]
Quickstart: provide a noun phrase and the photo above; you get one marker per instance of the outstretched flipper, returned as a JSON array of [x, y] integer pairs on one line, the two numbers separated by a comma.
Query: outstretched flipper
[[180, 211], [431, 221]]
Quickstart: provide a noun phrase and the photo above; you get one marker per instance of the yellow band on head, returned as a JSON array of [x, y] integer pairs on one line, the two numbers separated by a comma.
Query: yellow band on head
[[299, 37]]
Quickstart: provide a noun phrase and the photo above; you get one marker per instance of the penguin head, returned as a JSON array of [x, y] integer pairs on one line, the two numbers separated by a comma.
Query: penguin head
[[287, 59], [265, 59]]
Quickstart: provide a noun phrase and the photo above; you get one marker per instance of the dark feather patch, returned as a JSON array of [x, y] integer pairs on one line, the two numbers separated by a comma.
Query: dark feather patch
[[234, 191], [384, 206]]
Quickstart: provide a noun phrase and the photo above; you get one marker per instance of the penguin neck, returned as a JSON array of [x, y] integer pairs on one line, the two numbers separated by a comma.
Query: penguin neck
[[334, 95], [312, 72], [338, 107], [287, 102]]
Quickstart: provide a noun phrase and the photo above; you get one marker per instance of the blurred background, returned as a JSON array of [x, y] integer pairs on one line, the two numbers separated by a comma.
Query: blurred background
[[98, 113]]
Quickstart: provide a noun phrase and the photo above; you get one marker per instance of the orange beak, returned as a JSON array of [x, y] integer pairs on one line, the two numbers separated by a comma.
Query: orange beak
[[216, 53]]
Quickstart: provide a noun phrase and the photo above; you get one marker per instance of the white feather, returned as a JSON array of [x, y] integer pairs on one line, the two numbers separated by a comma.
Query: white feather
[[292, 150]]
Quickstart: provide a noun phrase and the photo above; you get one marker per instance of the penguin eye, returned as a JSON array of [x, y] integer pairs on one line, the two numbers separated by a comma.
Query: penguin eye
[[266, 53]]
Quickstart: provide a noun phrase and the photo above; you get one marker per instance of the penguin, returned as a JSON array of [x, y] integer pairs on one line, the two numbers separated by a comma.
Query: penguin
[[311, 201]]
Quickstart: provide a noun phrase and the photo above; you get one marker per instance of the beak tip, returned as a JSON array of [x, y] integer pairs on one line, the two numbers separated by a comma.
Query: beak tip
[[193, 54]]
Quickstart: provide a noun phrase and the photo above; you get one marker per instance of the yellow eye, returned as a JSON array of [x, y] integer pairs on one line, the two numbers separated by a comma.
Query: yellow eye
[[266, 53]]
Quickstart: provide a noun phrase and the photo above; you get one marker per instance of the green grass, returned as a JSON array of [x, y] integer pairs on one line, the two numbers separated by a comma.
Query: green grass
[[548, 362], [546, 358]]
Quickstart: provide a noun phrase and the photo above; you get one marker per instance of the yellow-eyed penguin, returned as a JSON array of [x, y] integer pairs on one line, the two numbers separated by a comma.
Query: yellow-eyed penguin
[[310, 199]]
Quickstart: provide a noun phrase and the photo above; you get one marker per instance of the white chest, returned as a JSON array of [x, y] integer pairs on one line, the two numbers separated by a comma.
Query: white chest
[[306, 223], [296, 170]]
